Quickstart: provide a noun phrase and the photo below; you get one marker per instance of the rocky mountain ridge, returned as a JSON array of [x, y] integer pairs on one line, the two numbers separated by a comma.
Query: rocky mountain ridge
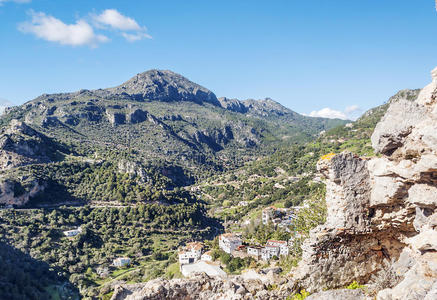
[[162, 85], [158, 119]]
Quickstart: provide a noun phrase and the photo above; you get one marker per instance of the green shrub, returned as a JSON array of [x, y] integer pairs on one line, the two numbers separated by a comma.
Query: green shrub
[[300, 296], [355, 285]]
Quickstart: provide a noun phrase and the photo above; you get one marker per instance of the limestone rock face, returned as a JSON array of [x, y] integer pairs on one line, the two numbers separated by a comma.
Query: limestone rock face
[[383, 211], [21, 145], [347, 190], [339, 294], [164, 85], [200, 287], [389, 134], [233, 105], [11, 195]]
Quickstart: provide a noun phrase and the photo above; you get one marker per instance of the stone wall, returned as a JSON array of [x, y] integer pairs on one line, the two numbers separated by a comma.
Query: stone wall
[[382, 213]]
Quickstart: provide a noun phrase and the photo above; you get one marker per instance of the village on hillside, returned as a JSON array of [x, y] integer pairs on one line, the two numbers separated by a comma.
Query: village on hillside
[[197, 257]]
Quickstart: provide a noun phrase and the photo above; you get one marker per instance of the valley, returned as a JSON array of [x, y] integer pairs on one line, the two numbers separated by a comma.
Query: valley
[[142, 177]]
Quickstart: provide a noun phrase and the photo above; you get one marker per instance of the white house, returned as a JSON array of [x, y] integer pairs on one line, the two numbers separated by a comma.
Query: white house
[[191, 253], [228, 242], [283, 246], [73, 232], [207, 256], [272, 214], [254, 251], [121, 261], [267, 215], [268, 252]]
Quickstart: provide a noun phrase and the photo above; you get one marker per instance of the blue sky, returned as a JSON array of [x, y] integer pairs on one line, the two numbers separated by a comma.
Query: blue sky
[[338, 55]]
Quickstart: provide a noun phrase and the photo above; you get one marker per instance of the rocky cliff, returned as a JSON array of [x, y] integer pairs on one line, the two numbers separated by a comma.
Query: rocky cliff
[[201, 286], [162, 85], [381, 227], [21, 145]]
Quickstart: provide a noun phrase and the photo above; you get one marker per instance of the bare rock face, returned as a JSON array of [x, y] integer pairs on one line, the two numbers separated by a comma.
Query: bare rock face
[[14, 194], [233, 105], [21, 145], [347, 191], [389, 134], [164, 85], [383, 211], [200, 287], [344, 294]]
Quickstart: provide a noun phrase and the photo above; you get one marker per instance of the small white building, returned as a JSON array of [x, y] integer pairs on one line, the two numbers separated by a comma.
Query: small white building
[[283, 246], [273, 215], [73, 232], [254, 251], [267, 215], [207, 256], [191, 253], [121, 261], [228, 242], [268, 252]]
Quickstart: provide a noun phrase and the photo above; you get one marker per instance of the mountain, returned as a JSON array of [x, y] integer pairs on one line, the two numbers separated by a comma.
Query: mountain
[[162, 85], [159, 127]]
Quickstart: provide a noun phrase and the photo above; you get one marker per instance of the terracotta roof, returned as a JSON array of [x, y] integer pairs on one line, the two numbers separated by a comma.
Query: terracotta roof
[[194, 245], [276, 242], [191, 246], [229, 236]]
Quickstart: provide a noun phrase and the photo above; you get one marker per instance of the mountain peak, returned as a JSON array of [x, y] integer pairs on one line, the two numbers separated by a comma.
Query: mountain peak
[[165, 85]]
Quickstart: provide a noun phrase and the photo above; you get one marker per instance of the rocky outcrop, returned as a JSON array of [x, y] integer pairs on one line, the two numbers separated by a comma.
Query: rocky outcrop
[[234, 105], [203, 287], [133, 169], [13, 193], [22, 145], [382, 212], [137, 116], [343, 294], [162, 85], [115, 118]]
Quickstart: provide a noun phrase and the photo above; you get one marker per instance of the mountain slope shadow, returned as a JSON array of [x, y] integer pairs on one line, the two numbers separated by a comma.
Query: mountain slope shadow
[[23, 277]]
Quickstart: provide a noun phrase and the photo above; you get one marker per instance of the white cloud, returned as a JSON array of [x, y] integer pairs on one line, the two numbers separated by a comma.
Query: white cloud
[[352, 109], [4, 104], [350, 113], [116, 20], [328, 113], [131, 30], [54, 30], [132, 37]]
